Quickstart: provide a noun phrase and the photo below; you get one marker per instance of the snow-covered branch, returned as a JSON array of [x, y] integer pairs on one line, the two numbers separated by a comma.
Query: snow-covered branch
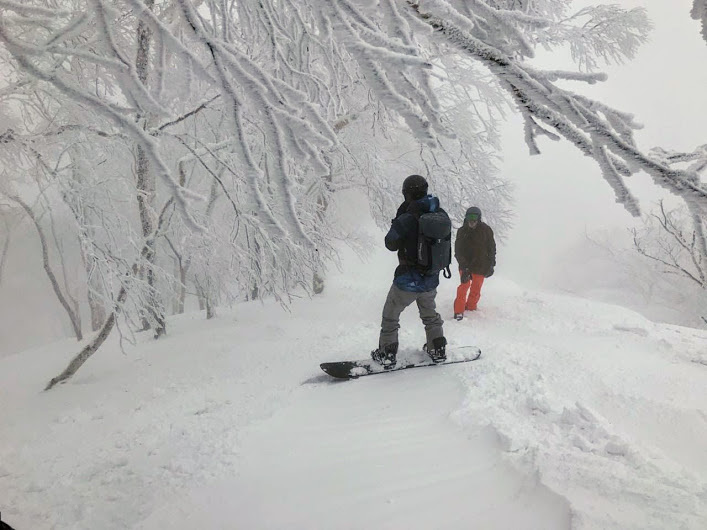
[[595, 129]]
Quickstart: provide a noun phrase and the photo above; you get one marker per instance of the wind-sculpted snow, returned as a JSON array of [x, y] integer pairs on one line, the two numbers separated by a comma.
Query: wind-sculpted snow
[[607, 407]]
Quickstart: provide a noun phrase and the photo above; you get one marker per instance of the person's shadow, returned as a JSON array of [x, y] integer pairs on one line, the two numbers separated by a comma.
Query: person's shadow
[[314, 380]]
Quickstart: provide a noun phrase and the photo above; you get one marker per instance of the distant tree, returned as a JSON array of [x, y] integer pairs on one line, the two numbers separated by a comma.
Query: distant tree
[[667, 239], [699, 12], [63, 294], [104, 331], [675, 240], [7, 226], [674, 225]]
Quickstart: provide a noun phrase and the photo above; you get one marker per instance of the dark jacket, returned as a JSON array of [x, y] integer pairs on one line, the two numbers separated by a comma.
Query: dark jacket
[[402, 237], [475, 249]]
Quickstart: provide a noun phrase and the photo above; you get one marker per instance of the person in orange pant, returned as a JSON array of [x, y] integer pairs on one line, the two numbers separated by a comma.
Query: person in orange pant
[[475, 251]]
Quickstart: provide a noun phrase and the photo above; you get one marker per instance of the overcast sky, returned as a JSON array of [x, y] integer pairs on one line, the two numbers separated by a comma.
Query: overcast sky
[[561, 194]]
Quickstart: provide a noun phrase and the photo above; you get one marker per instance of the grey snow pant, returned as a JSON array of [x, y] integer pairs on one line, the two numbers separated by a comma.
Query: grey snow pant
[[396, 302]]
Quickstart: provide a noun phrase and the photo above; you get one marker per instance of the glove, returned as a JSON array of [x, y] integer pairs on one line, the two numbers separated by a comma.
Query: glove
[[466, 275], [490, 273]]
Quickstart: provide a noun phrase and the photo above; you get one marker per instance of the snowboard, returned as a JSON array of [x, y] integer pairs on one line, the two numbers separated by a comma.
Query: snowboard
[[356, 369]]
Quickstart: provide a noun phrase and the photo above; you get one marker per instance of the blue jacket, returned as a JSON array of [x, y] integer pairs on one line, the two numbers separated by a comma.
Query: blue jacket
[[402, 237]]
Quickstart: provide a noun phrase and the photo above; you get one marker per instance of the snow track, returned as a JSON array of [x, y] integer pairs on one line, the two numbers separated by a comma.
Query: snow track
[[378, 453]]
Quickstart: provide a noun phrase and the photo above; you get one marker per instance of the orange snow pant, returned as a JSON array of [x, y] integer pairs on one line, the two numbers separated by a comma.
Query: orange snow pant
[[473, 288]]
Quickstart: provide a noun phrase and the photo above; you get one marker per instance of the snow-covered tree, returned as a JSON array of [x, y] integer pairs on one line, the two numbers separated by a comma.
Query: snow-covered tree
[[217, 133], [669, 240], [62, 289], [503, 38]]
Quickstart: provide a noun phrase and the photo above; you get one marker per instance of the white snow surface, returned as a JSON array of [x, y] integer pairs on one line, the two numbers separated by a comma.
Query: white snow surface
[[578, 415]]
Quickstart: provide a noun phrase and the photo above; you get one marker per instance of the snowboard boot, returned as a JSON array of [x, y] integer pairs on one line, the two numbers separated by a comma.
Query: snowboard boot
[[458, 316], [438, 353], [386, 355]]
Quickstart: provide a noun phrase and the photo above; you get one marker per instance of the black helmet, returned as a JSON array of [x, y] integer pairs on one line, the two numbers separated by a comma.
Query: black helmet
[[414, 187], [473, 214]]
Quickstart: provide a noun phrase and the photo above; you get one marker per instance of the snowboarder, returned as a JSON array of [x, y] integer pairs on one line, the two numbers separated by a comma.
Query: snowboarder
[[411, 282], [475, 251]]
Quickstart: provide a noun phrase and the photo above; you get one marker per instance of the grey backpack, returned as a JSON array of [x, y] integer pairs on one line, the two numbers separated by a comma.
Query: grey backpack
[[434, 243]]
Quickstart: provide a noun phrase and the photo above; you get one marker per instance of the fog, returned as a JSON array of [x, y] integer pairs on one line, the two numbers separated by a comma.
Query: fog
[[560, 195]]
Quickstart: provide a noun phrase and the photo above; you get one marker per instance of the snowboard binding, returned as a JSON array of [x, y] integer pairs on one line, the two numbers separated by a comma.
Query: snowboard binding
[[386, 356], [438, 352]]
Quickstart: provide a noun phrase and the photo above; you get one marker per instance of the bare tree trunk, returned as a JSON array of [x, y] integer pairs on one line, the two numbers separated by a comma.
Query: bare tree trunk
[[145, 179], [699, 225], [89, 349], [95, 303], [108, 325], [210, 309], [181, 269], [184, 266], [74, 316], [145, 197], [255, 285], [182, 287], [146, 185], [3, 254], [98, 312], [317, 283], [323, 205], [60, 252], [205, 301], [175, 299], [95, 292], [155, 307]]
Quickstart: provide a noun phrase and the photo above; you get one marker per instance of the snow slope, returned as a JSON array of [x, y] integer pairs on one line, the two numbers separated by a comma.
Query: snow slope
[[337, 459], [579, 415]]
